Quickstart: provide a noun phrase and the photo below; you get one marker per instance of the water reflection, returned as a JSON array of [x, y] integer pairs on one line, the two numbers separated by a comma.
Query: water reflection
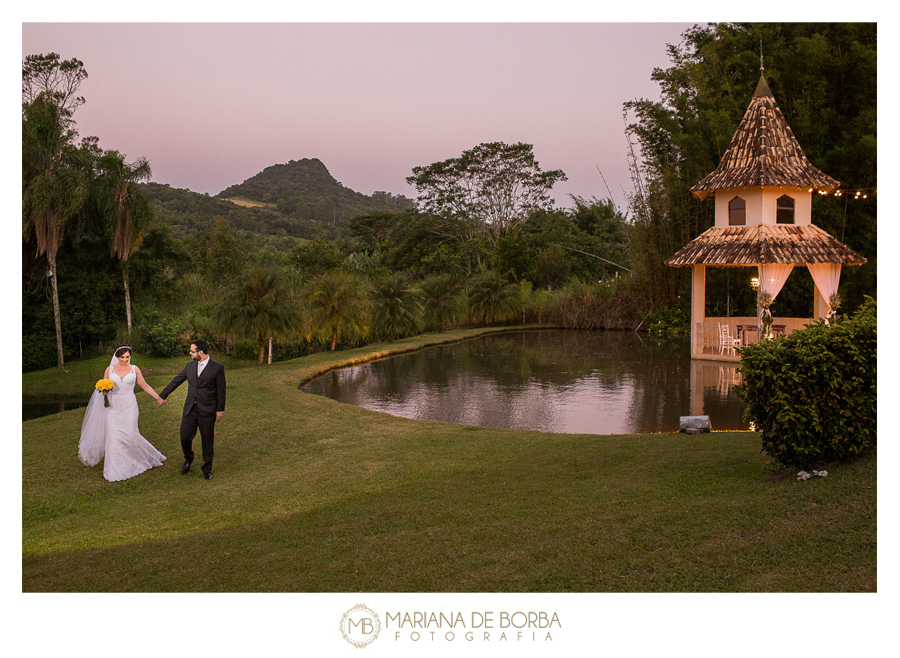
[[594, 382]]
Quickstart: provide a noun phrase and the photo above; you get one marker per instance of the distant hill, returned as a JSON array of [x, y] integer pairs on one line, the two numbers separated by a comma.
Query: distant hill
[[306, 190], [297, 200]]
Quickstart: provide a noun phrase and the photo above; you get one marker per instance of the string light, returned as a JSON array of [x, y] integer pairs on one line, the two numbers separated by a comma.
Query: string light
[[863, 193]]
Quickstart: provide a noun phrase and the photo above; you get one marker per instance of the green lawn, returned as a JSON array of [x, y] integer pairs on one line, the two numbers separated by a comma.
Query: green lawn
[[313, 496]]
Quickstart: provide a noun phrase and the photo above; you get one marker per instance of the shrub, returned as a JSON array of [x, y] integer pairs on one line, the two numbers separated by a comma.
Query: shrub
[[285, 350], [282, 350], [246, 350], [38, 351], [670, 322], [812, 394], [165, 338]]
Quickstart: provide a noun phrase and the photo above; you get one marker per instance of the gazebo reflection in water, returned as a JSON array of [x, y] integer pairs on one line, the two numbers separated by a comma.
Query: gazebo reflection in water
[[710, 379]]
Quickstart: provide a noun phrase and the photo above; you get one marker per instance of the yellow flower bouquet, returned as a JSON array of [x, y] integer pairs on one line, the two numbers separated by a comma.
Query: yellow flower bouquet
[[104, 386]]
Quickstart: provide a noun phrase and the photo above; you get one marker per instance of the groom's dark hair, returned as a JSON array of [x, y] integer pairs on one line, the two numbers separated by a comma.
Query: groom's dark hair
[[201, 345]]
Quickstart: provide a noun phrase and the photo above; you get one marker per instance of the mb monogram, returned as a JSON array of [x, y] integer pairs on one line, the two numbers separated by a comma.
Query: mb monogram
[[360, 626]]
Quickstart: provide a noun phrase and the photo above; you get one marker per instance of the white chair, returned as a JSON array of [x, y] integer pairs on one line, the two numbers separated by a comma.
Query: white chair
[[727, 342]]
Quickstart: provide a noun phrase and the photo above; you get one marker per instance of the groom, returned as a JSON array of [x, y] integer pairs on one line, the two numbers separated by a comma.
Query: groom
[[204, 406]]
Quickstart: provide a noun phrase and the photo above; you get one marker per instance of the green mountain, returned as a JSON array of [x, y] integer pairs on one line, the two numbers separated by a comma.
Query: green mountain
[[282, 203], [306, 188]]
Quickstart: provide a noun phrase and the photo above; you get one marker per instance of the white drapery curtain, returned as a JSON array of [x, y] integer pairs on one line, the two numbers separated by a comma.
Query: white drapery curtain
[[827, 277], [772, 277], [771, 280]]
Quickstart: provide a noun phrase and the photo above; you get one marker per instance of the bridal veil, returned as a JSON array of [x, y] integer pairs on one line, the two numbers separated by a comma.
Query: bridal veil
[[92, 445]]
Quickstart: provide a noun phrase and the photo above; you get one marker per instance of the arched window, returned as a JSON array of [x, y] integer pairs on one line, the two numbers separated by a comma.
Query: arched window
[[737, 212], [784, 210]]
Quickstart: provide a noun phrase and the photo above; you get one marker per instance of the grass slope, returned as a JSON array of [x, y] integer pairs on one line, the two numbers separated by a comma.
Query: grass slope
[[314, 496]]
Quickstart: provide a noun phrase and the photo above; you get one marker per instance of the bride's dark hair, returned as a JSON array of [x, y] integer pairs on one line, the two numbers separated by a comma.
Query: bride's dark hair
[[122, 349]]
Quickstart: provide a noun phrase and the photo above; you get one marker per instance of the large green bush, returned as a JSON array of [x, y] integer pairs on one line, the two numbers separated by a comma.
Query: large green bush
[[38, 351], [165, 338], [812, 394]]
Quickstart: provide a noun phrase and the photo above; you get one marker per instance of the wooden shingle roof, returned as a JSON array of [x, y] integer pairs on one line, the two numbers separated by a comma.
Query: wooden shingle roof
[[764, 151], [755, 245]]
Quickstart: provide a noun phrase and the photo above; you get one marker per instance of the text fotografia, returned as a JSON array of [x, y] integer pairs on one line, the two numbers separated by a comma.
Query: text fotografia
[[479, 626]]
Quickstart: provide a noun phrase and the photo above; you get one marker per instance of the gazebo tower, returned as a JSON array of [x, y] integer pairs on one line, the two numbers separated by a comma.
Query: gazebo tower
[[763, 191]]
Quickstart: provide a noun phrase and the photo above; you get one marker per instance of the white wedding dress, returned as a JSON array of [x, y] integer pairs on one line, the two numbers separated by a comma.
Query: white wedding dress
[[125, 452]]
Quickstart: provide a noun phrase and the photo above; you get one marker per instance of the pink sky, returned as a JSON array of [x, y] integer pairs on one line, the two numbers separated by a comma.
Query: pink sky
[[212, 104]]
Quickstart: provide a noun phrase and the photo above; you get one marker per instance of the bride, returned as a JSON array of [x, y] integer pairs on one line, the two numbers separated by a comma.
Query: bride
[[111, 433]]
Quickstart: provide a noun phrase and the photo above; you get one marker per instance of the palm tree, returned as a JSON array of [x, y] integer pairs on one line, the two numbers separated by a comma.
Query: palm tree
[[442, 303], [54, 186], [126, 211], [261, 305], [340, 304], [397, 312], [493, 299]]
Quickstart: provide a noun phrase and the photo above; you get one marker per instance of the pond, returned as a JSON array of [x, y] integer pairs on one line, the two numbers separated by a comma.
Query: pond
[[32, 410], [593, 382]]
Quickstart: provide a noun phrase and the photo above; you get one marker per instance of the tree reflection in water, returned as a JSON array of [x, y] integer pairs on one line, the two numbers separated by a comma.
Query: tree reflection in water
[[593, 382]]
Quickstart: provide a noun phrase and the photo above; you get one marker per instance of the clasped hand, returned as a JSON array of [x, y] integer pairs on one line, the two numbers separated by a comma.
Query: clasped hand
[[160, 402]]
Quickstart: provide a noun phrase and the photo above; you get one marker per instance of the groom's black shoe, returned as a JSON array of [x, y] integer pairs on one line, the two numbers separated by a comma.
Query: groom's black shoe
[[185, 467], [208, 476]]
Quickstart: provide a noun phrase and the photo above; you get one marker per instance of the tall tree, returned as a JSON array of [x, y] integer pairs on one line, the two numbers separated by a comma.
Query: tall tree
[[125, 210], [54, 187], [488, 189], [58, 80]]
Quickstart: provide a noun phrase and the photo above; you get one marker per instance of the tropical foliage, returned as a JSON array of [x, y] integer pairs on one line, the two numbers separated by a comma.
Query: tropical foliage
[[339, 306], [493, 299], [397, 312], [259, 306], [442, 301]]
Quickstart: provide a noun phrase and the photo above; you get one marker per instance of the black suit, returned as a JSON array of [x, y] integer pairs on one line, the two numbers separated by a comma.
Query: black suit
[[205, 397]]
